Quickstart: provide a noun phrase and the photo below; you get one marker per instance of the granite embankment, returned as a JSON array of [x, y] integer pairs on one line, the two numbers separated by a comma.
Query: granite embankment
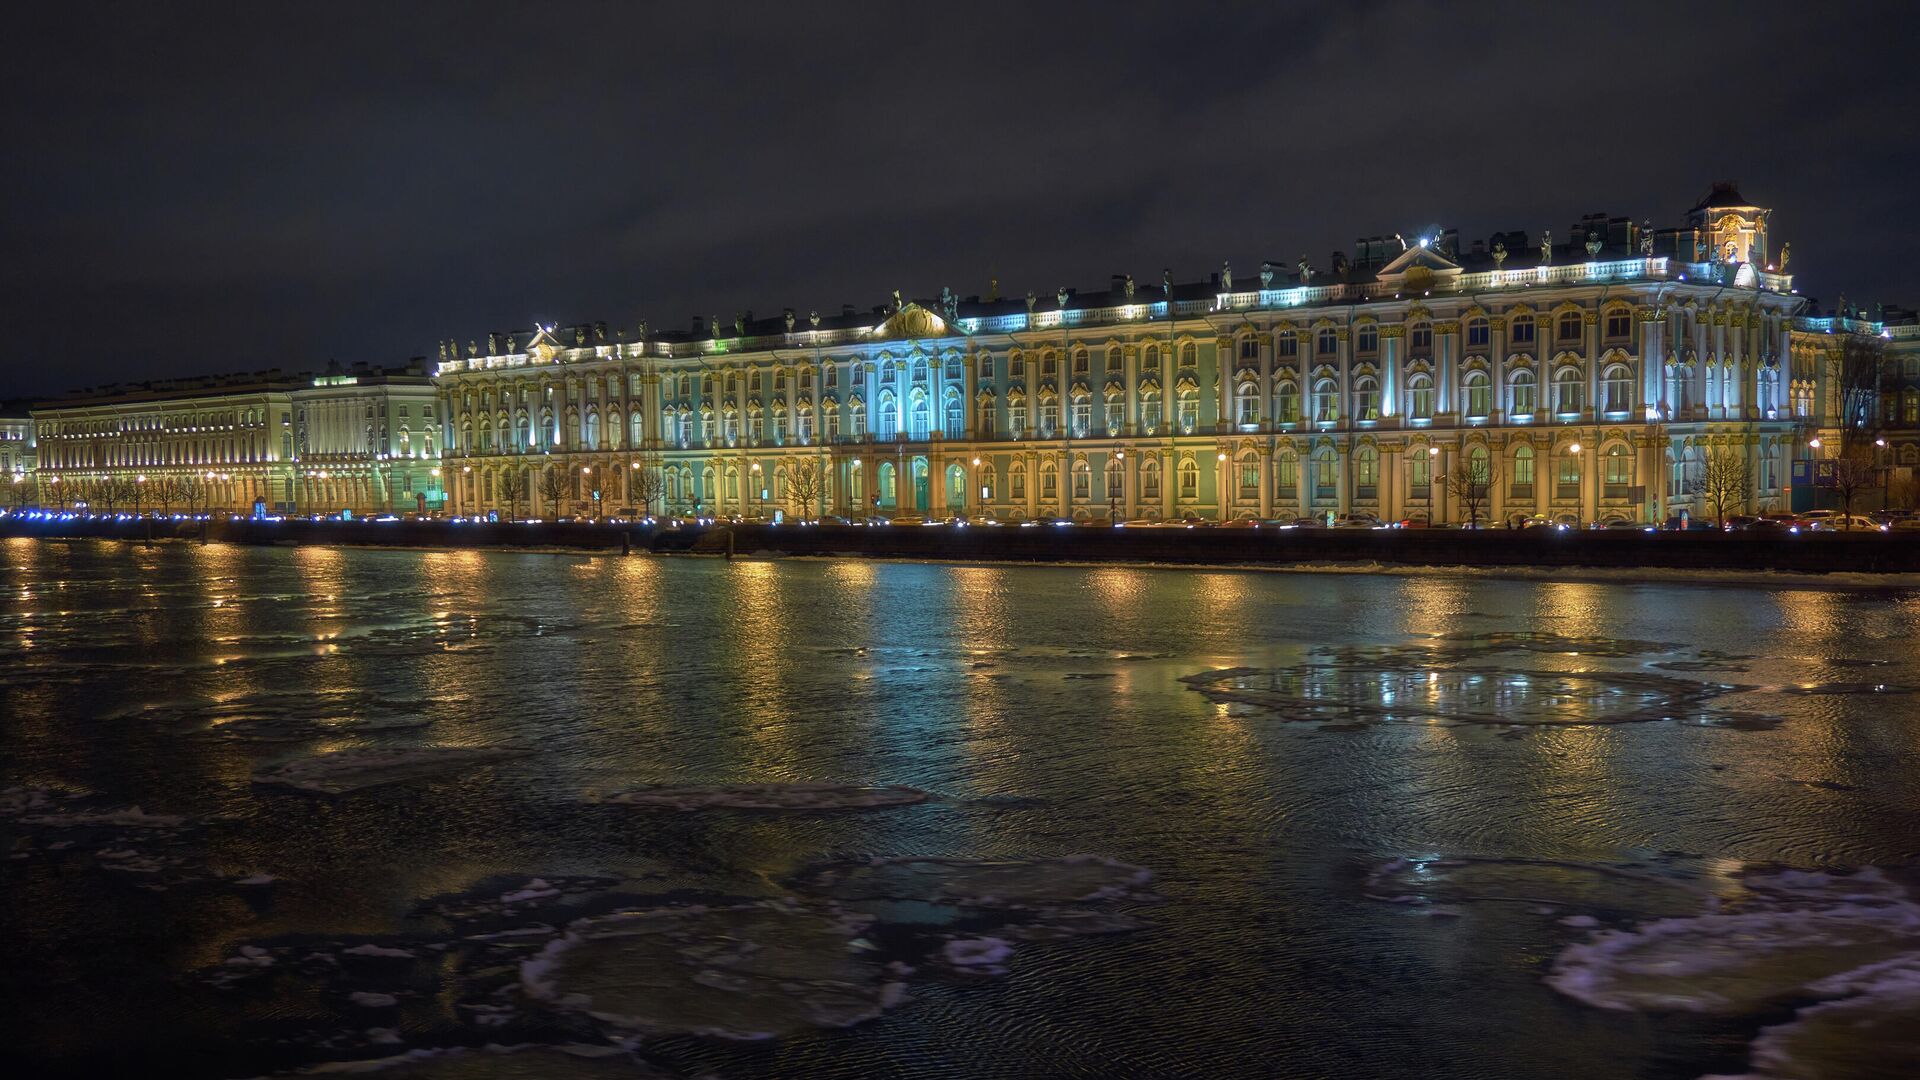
[[1701, 550]]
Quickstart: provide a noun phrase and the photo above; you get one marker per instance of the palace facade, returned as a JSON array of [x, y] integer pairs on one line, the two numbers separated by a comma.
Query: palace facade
[[363, 439], [1582, 380]]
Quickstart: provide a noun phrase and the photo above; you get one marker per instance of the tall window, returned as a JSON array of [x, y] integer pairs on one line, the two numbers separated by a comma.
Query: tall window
[[1477, 331], [1567, 485], [1367, 338], [1420, 340], [1479, 395], [1149, 411], [1286, 475], [1189, 406], [1247, 406], [1082, 415], [1016, 416], [1566, 392], [1619, 472], [1366, 398], [1366, 473], [1189, 479], [988, 414], [1325, 482], [1521, 330], [1326, 401], [1017, 481], [1524, 400], [1249, 477], [1080, 363], [1420, 397], [1289, 403], [889, 416], [1150, 479], [1569, 326], [1116, 412], [1419, 475], [1523, 473], [1616, 390], [1082, 480]]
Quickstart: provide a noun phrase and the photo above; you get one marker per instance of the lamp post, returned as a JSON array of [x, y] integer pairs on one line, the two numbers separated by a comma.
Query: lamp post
[[1113, 490], [593, 493], [1222, 482], [754, 494]]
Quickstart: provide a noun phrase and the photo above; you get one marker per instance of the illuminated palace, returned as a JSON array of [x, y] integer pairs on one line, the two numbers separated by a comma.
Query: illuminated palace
[[1586, 377], [361, 439]]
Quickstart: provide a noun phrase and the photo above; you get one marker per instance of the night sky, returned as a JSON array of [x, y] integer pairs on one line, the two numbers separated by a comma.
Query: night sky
[[195, 189]]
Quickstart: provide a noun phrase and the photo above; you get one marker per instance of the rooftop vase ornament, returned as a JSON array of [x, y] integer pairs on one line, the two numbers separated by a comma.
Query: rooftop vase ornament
[[1266, 275], [813, 319]]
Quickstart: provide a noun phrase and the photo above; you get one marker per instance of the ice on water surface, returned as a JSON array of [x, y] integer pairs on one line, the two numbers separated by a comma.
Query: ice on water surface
[[346, 771], [770, 796]]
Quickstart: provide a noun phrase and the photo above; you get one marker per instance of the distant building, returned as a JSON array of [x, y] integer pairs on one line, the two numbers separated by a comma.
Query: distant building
[[18, 458], [361, 439], [1582, 376]]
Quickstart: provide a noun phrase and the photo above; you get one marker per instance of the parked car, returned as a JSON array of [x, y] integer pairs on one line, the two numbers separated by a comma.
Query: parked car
[[1847, 523], [1357, 521]]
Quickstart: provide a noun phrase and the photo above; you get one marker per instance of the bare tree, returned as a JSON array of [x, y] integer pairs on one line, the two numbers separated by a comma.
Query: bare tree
[[553, 485], [512, 487], [1902, 492], [19, 491], [1724, 481], [804, 481], [192, 491], [1853, 473], [1470, 484], [1861, 366], [646, 483]]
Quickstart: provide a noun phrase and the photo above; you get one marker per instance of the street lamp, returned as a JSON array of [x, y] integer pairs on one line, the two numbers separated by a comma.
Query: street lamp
[[1113, 493], [754, 493]]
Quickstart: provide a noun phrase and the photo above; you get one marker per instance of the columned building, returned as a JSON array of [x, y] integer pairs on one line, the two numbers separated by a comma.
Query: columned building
[[19, 456], [1580, 379], [364, 440]]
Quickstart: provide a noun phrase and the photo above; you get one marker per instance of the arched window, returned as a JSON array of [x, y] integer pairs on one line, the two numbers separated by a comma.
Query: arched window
[[1189, 355], [1248, 467], [1618, 474], [1525, 401], [857, 416], [956, 420], [1326, 484], [989, 414], [1288, 404], [1016, 415], [1420, 397], [573, 431], [885, 482], [1116, 412], [1326, 401], [1420, 474], [637, 422], [1189, 479], [921, 418], [1016, 367], [1523, 472], [1113, 477], [1366, 339], [1246, 405], [1149, 411], [1616, 390], [1569, 326], [1081, 365], [989, 483], [803, 423], [777, 431], [614, 430], [1150, 359], [1150, 479], [1082, 414], [1048, 415], [1566, 392], [1366, 473], [1113, 359], [1479, 394], [1082, 480], [1049, 480], [889, 416], [1326, 341], [1049, 365], [1017, 481], [1366, 398], [1567, 476], [1189, 409], [1476, 331], [1286, 475]]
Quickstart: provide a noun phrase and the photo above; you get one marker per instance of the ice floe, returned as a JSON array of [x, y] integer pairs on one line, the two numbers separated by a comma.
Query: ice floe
[[996, 882], [770, 796], [355, 770]]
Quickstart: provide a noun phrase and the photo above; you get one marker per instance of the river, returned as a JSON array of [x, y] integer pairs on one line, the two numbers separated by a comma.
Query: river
[[267, 808]]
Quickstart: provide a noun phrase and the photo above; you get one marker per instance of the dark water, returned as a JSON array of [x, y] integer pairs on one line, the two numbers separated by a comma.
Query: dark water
[[1265, 745]]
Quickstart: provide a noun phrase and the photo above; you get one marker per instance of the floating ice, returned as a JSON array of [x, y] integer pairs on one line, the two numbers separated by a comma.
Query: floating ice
[[771, 796], [369, 1000], [370, 949], [495, 1062], [751, 971], [995, 882], [354, 770], [987, 955]]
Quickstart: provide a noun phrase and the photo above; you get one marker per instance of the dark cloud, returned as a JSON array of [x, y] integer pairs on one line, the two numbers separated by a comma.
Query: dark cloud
[[241, 186]]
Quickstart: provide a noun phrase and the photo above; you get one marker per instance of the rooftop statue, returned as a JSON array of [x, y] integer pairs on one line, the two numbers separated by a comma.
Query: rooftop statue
[[1546, 248], [789, 315], [1339, 264], [1226, 276], [1266, 275], [1646, 237], [1786, 253], [1306, 270], [1129, 286], [1499, 253], [1062, 297], [1594, 243]]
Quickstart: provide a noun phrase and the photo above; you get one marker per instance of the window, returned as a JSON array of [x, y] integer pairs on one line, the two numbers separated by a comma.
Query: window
[[1116, 413], [1150, 479], [1113, 359], [1017, 367], [1476, 331], [1619, 324], [1017, 481], [1366, 398], [1420, 340], [1049, 481], [1249, 477], [1326, 401], [1325, 483], [1249, 348], [1247, 405], [987, 417], [1566, 392], [1366, 473], [1049, 365], [1522, 330], [1419, 474], [1325, 341], [1289, 403], [1082, 415], [1616, 390], [1619, 472], [1189, 406], [1479, 390], [1569, 326], [1368, 338], [1524, 401], [1016, 416], [1523, 473], [920, 417], [1189, 479], [1080, 362], [1287, 345], [1567, 483], [1082, 480], [986, 365], [1189, 355], [1149, 411], [1420, 397]]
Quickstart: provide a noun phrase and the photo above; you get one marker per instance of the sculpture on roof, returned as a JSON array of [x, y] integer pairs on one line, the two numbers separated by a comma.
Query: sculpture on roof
[[1166, 281], [1786, 252], [740, 326], [1499, 253], [1306, 270], [493, 344], [715, 323], [1546, 248], [642, 330], [443, 352], [813, 319], [1594, 243], [789, 317], [1339, 264], [897, 303], [1128, 287], [1031, 300], [1646, 237], [473, 347], [1266, 275], [949, 304], [1226, 276], [579, 337], [1061, 296]]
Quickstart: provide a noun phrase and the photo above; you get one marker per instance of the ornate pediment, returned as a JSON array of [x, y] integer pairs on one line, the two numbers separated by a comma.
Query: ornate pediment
[[913, 322], [1419, 265], [543, 346]]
